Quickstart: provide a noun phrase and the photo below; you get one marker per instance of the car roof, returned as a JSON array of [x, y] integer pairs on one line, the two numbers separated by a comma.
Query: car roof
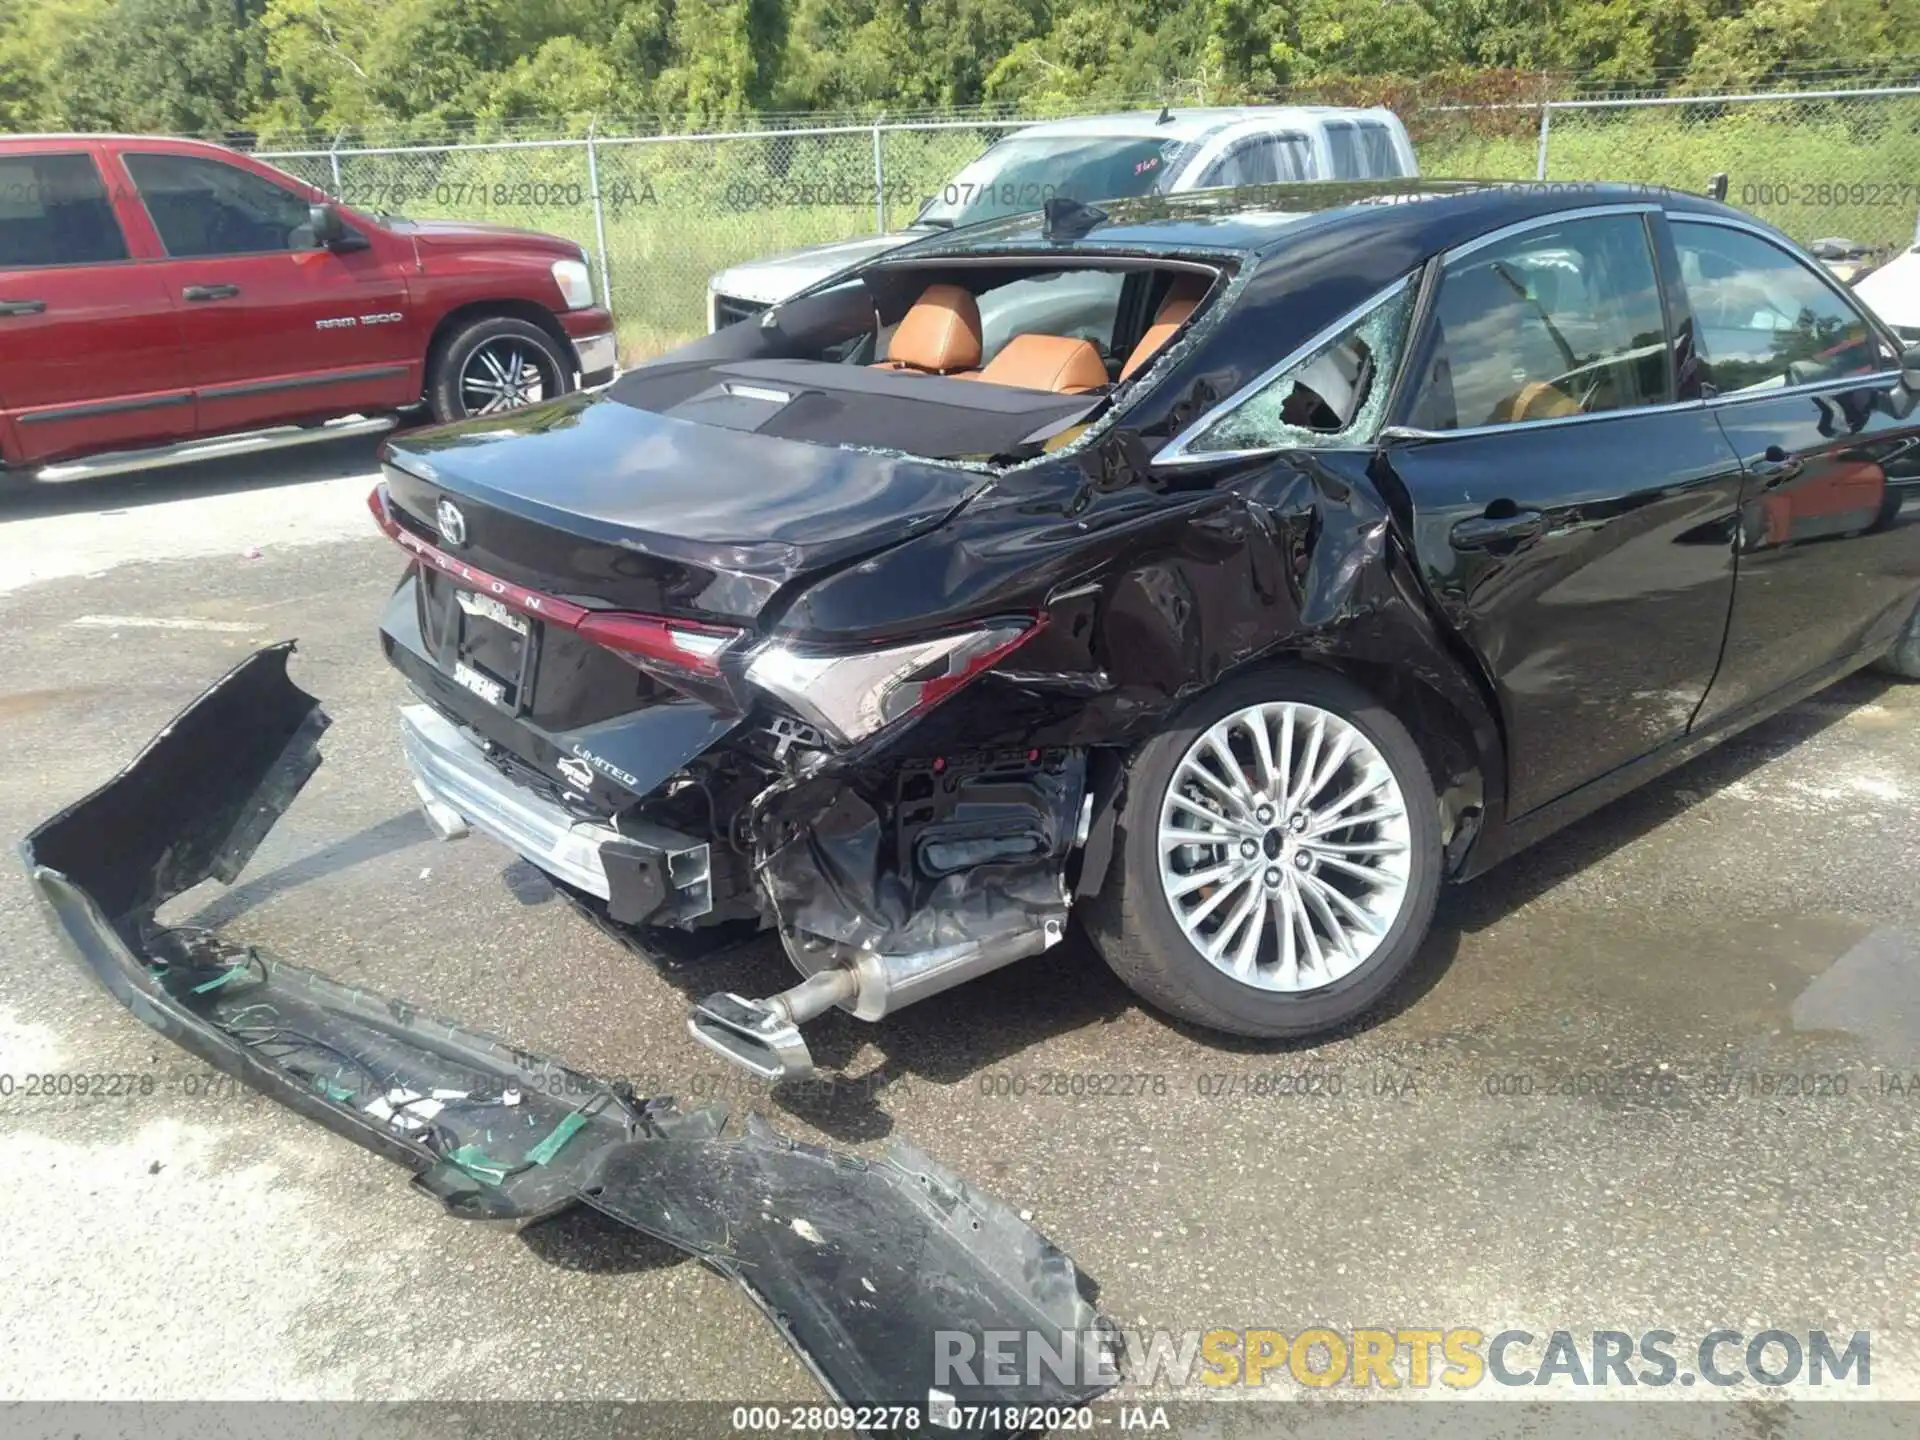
[[82, 137], [1184, 123], [1255, 220]]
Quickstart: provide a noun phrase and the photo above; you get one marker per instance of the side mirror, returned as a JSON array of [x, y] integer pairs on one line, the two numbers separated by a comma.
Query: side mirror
[[330, 232], [1717, 186], [1901, 400]]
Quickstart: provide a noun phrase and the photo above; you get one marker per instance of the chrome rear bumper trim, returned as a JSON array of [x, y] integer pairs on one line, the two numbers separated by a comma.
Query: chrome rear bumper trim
[[449, 770]]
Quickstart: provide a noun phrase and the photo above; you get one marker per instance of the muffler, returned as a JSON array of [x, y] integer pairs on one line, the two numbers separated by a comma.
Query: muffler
[[764, 1035]]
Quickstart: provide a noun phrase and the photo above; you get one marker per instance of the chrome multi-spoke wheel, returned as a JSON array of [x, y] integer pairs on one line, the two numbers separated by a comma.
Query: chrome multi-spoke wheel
[[1284, 846], [504, 374], [493, 364]]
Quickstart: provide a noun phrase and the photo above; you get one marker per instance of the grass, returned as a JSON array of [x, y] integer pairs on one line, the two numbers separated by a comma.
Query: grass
[[1814, 168], [678, 211]]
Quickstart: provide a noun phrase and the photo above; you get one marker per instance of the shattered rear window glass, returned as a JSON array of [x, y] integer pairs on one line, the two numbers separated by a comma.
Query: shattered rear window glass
[[1336, 396]]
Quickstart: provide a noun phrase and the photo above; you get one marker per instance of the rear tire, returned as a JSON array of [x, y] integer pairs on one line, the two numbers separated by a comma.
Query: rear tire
[[1386, 870], [495, 364], [1904, 658]]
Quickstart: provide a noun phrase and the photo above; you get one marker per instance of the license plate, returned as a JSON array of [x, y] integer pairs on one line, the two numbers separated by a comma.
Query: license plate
[[485, 686], [489, 608]]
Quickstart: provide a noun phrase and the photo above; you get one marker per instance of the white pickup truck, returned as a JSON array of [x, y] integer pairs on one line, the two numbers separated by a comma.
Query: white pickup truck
[[1101, 157]]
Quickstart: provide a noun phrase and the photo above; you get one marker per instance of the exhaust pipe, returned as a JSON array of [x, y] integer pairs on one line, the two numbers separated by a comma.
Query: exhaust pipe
[[763, 1036]]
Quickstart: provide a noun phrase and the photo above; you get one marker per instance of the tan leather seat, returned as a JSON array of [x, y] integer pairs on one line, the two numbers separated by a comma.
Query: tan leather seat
[[939, 335], [1536, 400], [1181, 301], [1047, 362]]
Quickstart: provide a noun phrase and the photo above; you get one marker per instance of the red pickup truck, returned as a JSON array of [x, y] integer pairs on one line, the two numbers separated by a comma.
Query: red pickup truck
[[164, 300]]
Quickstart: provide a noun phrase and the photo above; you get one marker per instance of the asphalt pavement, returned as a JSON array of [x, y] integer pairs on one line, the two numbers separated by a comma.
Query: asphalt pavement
[[1662, 1073]]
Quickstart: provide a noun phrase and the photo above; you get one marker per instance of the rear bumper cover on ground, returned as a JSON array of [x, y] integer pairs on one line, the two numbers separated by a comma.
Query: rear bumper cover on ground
[[863, 1264]]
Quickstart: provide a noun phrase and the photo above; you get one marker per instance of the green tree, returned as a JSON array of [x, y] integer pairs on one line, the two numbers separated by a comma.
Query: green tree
[[1772, 38], [177, 65], [1373, 37]]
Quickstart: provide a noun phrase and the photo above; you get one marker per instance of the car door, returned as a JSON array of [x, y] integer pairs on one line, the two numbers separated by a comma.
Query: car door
[[1264, 157], [89, 346], [276, 326], [1362, 149], [1829, 547], [1572, 504]]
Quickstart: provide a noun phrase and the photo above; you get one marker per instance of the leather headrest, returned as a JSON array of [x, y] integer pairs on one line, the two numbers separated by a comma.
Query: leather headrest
[[1150, 344], [1048, 362], [941, 333], [1182, 296]]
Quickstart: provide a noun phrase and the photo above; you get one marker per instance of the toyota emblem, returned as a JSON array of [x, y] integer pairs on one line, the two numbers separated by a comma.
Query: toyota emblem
[[453, 525]]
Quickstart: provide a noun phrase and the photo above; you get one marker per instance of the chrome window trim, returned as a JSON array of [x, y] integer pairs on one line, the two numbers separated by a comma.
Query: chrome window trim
[[1542, 222], [1842, 382], [1410, 432], [1507, 232], [1177, 451], [1714, 402], [1812, 267]]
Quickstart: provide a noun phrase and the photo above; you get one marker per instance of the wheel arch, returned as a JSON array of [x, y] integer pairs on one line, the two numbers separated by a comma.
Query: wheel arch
[[508, 308], [1457, 731], [1458, 738]]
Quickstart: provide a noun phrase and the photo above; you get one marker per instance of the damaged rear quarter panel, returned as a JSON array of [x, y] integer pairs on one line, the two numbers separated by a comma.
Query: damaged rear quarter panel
[[1157, 586]]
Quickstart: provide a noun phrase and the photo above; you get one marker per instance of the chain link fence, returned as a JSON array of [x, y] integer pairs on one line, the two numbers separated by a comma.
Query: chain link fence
[[661, 213]]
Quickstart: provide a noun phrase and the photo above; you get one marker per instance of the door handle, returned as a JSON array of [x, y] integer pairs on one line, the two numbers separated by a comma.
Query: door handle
[[1774, 466], [1484, 531], [209, 292], [22, 307]]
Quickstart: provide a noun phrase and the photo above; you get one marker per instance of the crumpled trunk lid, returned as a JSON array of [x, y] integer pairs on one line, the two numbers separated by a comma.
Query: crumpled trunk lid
[[610, 504], [863, 1264]]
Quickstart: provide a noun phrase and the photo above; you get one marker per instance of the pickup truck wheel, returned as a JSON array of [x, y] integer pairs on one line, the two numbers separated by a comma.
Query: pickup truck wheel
[[1278, 859], [496, 363], [1904, 658]]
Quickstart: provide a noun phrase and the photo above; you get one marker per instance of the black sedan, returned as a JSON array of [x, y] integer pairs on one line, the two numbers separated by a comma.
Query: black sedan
[[1345, 542], [1331, 542]]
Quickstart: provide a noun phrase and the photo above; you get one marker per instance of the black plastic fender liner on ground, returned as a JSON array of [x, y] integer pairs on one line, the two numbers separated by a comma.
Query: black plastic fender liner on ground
[[868, 1268]]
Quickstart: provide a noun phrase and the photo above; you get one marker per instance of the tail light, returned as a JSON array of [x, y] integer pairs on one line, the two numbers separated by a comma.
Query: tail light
[[853, 694], [645, 640], [677, 643]]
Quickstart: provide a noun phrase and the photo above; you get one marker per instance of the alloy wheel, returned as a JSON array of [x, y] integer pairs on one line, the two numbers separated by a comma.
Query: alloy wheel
[[1285, 851], [504, 374]]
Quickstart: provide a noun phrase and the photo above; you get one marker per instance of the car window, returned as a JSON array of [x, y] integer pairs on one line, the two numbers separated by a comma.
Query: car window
[[1023, 173], [1361, 149], [1762, 320], [1559, 320], [1335, 396], [1262, 160], [55, 211], [1082, 304], [207, 207]]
